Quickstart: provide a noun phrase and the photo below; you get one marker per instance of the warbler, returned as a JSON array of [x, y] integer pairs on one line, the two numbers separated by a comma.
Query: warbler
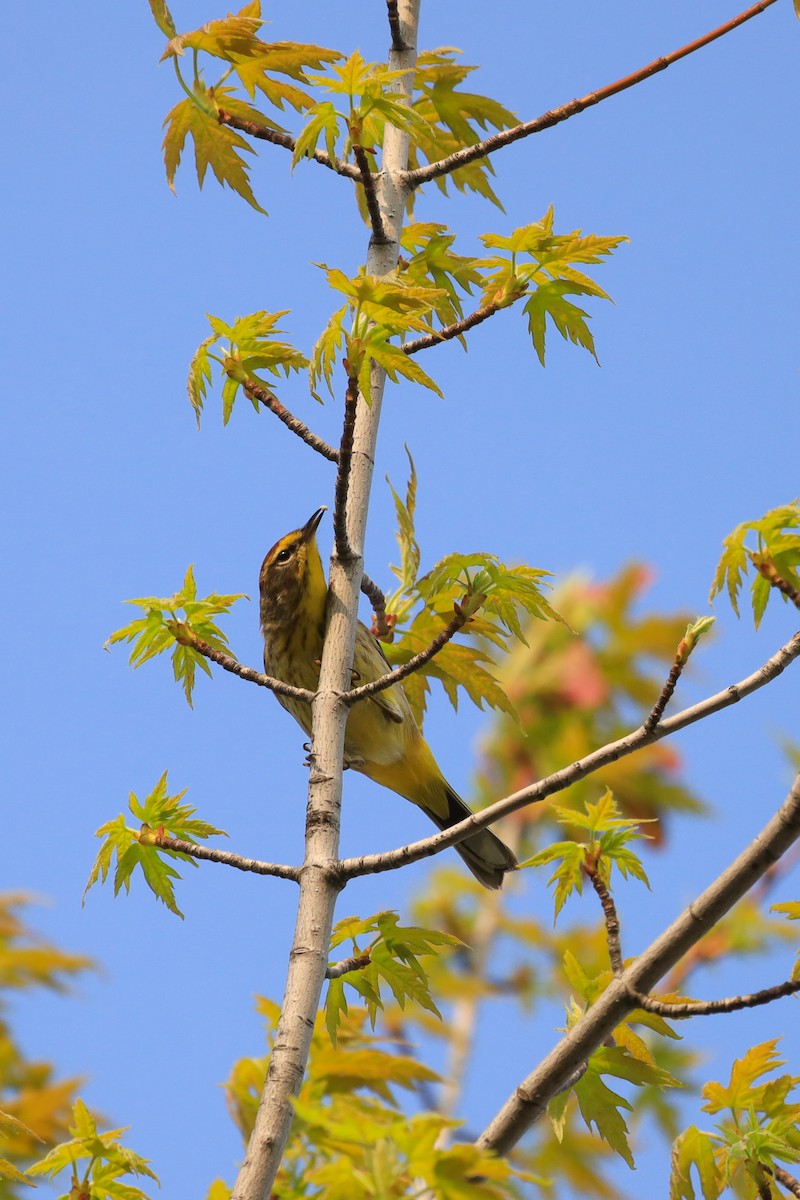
[[382, 738]]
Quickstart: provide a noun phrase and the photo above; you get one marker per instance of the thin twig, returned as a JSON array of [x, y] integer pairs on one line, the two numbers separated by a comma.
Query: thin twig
[[681, 1010], [278, 138], [766, 567], [610, 915], [227, 858], [413, 664], [390, 860], [398, 42], [453, 331], [370, 195], [344, 551], [336, 970], [663, 700], [265, 397], [384, 623], [187, 637], [481, 149], [786, 1180]]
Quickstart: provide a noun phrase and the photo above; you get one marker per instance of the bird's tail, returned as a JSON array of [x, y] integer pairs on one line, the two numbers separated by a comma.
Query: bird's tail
[[486, 856]]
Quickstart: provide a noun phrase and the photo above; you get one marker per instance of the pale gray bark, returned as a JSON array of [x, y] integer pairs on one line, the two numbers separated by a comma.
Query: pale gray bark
[[318, 886], [531, 1097]]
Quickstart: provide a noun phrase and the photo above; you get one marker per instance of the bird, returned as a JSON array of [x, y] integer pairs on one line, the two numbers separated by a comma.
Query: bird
[[382, 738]]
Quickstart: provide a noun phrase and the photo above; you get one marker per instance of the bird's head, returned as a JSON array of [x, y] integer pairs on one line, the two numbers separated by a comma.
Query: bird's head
[[292, 579]]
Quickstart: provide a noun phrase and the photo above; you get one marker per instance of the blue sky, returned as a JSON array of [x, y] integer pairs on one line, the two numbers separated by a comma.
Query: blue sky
[[689, 426]]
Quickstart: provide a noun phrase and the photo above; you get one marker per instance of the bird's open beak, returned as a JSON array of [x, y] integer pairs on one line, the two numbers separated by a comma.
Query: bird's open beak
[[310, 527]]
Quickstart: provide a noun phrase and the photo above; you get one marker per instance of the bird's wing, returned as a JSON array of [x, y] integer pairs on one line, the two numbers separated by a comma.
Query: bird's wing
[[391, 702]]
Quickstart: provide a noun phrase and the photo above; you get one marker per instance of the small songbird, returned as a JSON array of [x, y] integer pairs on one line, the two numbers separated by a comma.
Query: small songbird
[[382, 739]]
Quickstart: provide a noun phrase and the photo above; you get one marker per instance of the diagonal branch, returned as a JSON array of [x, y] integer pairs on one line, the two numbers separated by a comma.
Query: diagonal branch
[[370, 195], [227, 857], [256, 392], [530, 1097], [455, 330], [187, 637], [413, 664], [481, 149], [277, 138], [785, 1179], [390, 860], [682, 1009]]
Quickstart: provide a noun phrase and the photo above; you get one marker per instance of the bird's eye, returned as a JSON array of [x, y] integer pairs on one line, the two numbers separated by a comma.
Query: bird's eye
[[284, 556]]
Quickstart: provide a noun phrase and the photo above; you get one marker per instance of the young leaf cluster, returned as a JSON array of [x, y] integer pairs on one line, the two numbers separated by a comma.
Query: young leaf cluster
[[97, 1162], [486, 595], [607, 846], [159, 814], [165, 618], [275, 70], [775, 557], [244, 348], [371, 104], [393, 952], [545, 266], [376, 309], [350, 1139], [757, 1132]]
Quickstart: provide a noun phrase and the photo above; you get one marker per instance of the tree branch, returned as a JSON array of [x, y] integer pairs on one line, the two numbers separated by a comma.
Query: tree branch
[[610, 915], [226, 857], [390, 860], [370, 195], [786, 1180], [413, 664], [448, 332], [187, 637], [319, 882], [265, 397], [681, 1010], [481, 149], [530, 1098], [278, 138], [336, 970], [398, 42], [344, 550]]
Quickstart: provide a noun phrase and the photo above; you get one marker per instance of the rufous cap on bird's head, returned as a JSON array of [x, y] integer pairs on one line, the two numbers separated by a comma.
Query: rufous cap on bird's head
[[291, 574]]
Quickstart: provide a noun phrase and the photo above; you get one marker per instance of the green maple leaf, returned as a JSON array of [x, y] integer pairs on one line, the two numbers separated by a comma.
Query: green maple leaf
[[215, 145]]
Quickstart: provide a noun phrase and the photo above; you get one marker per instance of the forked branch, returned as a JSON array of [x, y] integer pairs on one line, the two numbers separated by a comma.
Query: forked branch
[[531, 1096]]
